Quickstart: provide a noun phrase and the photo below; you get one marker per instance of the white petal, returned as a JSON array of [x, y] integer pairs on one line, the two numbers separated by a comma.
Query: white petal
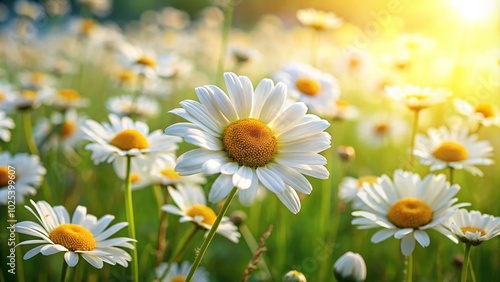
[[71, 258], [290, 199], [220, 188], [382, 235], [243, 178], [290, 117], [292, 177], [270, 180], [422, 238], [407, 244]]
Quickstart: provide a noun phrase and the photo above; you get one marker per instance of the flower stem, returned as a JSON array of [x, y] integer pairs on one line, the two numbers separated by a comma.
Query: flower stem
[[450, 179], [179, 252], [28, 131], [130, 218], [465, 266], [64, 271], [211, 234], [409, 268], [413, 135], [228, 18]]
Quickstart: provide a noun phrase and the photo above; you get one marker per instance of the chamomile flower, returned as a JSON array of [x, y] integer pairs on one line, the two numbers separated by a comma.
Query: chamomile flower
[[146, 62], [417, 98], [82, 235], [25, 99], [6, 124], [454, 148], [472, 227], [25, 170], [64, 99], [379, 128], [251, 138], [124, 137], [127, 105], [191, 206], [406, 207], [339, 110], [483, 113], [349, 188], [179, 272], [350, 267], [309, 85], [318, 20], [61, 131]]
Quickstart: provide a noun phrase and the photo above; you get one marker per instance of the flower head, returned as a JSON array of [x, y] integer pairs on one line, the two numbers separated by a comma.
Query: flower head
[[318, 20], [179, 272], [472, 227], [82, 235], [251, 138], [61, 131], [417, 98], [350, 267], [484, 113]]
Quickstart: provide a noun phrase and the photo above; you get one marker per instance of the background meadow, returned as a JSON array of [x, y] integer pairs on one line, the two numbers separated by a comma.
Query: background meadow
[[438, 44]]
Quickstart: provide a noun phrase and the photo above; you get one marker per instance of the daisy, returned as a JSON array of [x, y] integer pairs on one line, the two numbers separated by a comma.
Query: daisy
[[6, 124], [179, 272], [124, 137], [35, 80], [127, 105], [407, 207], [192, 208], [350, 186], [64, 99], [318, 20], [82, 235], [25, 99], [350, 267], [163, 172], [252, 139], [339, 110], [146, 62], [27, 174], [309, 85], [140, 172], [417, 98], [472, 227], [483, 113], [61, 131], [379, 128], [453, 148]]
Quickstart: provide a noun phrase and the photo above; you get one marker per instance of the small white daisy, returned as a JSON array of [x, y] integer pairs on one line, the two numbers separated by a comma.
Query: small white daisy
[[379, 128], [252, 138], [128, 105], [349, 188], [339, 110], [64, 99], [25, 170], [82, 235], [453, 148], [179, 272], [318, 20], [25, 100], [146, 62], [309, 85], [407, 207], [69, 133], [484, 113], [6, 124], [472, 227], [417, 98], [35, 80], [192, 207]]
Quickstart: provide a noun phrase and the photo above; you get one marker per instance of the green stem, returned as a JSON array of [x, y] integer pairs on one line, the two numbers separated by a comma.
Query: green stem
[[409, 268], [472, 274], [439, 268], [228, 18], [281, 238], [413, 135], [130, 218], [179, 252], [64, 271], [451, 175], [465, 266], [211, 234], [28, 131]]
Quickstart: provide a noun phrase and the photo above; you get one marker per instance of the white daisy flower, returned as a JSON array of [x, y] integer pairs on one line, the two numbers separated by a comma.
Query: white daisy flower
[[379, 128], [82, 235], [339, 110], [252, 139], [472, 227], [453, 148], [26, 171], [61, 131], [124, 137], [147, 63], [407, 207], [192, 207], [140, 172], [64, 99], [319, 20], [179, 272], [163, 172], [6, 124], [417, 98], [309, 85], [350, 267], [350, 186], [25, 100], [35, 80], [484, 113], [128, 105]]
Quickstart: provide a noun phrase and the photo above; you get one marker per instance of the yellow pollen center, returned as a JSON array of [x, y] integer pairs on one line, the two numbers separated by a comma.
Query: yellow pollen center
[[486, 109], [87, 26], [170, 173], [134, 177], [146, 61], [417, 101], [249, 142], [130, 139], [308, 86], [68, 94], [370, 179], [207, 213], [178, 278], [409, 213], [2, 96], [37, 77], [126, 76], [381, 128], [74, 237], [68, 128], [473, 230], [342, 103], [28, 94], [5, 176], [450, 151]]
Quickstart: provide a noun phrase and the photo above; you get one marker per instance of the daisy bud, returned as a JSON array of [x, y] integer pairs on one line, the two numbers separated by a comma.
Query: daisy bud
[[346, 153], [238, 217], [350, 267], [294, 276], [458, 261]]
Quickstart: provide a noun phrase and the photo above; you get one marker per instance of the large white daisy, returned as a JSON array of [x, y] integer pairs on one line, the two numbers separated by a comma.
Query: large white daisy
[[251, 138], [82, 235], [24, 170], [407, 207], [192, 207], [472, 227], [179, 272], [454, 148]]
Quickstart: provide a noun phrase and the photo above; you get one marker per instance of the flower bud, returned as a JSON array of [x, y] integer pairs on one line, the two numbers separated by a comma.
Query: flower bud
[[350, 267], [294, 276], [238, 217], [346, 153]]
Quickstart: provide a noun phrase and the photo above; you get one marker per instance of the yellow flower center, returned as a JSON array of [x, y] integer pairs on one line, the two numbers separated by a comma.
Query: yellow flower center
[[370, 179], [342, 103], [381, 128], [68, 94], [409, 213], [170, 173], [67, 129], [308, 86], [450, 151], [126, 76], [249, 142], [207, 213], [74, 237], [178, 278], [473, 230], [486, 109], [417, 101], [2, 96], [28, 94], [130, 139], [87, 26], [134, 177], [146, 61], [5, 176], [37, 77]]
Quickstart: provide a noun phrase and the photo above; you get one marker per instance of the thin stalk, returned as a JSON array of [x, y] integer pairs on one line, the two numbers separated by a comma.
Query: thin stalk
[[281, 237], [129, 207], [451, 175], [211, 234], [64, 271], [439, 263], [179, 252], [465, 266], [472, 274], [409, 268], [413, 135], [253, 246], [228, 18], [28, 131]]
